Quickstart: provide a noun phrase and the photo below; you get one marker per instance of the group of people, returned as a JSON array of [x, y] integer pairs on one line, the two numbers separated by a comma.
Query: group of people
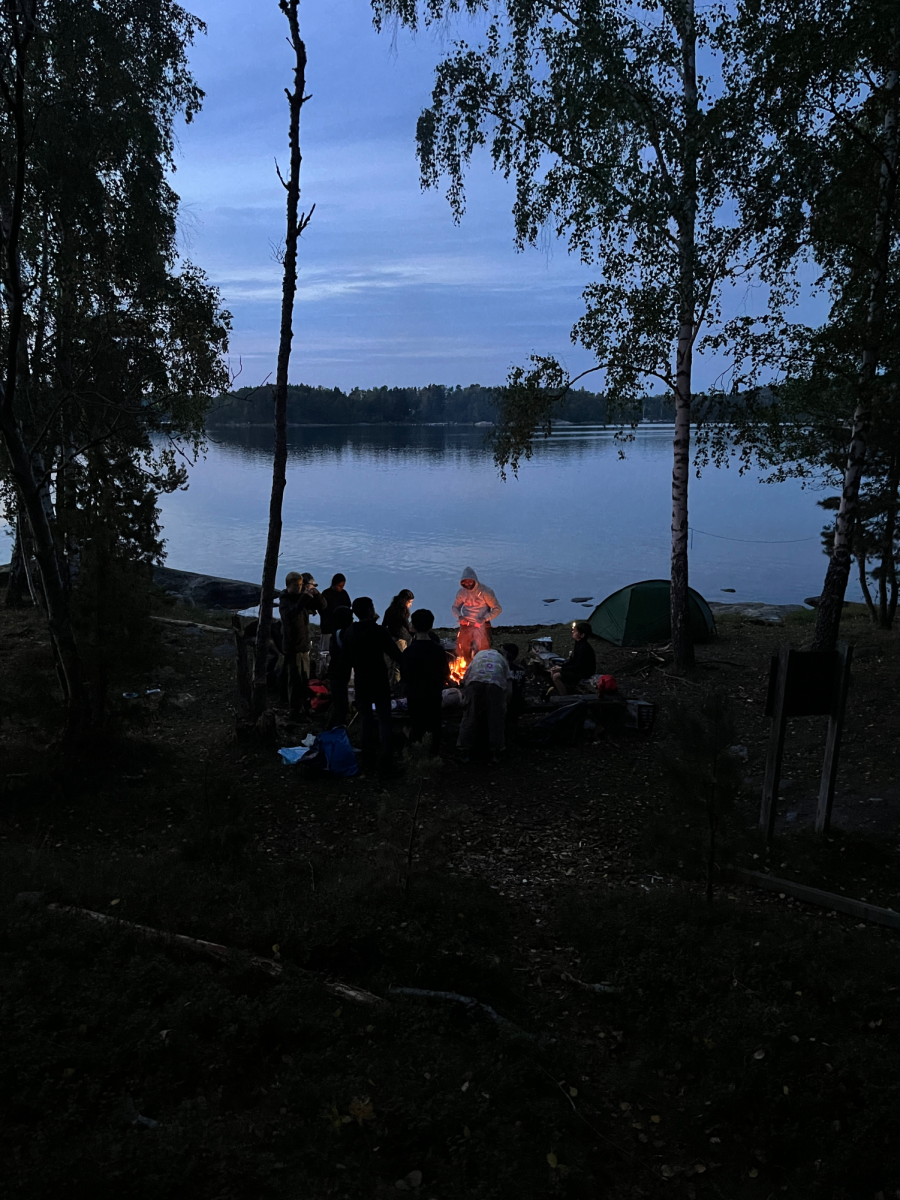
[[404, 648]]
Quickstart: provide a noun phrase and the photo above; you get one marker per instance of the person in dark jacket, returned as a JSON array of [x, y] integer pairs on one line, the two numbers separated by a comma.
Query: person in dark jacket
[[335, 597], [339, 669], [425, 673], [299, 598], [364, 648], [396, 619], [396, 622], [581, 663]]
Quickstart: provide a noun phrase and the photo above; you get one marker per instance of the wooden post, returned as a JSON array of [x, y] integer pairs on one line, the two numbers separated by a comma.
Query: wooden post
[[833, 741], [244, 631], [769, 807]]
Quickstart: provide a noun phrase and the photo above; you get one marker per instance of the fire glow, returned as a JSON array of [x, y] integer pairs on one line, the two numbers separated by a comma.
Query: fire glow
[[458, 669]]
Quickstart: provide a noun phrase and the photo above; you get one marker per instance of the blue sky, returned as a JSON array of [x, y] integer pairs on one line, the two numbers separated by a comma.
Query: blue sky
[[391, 290]]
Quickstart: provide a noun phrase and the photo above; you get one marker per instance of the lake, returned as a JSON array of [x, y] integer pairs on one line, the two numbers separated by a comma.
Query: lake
[[411, 506]]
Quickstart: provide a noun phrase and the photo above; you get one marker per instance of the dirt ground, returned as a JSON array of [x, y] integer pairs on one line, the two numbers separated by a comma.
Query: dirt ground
[[545, 830]]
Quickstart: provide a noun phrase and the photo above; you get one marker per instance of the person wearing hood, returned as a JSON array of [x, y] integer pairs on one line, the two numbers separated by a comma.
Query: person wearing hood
[[474, 608]]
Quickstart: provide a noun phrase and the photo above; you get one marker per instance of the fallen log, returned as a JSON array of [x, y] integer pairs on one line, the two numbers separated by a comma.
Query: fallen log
[[214, 949], [192, 625], [269, 965], [811, 895]]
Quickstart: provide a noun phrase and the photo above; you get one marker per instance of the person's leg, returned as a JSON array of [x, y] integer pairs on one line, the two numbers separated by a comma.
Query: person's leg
[[496, 717], [340, 705], [464, 643], [385, 732], [468, 726], [368, 726], [435, 725], [296, 688], [559, 683]]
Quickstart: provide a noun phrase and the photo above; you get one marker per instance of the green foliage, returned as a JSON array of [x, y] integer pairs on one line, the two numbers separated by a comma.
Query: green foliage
[[590, 110], [119, 342], [435, 403]]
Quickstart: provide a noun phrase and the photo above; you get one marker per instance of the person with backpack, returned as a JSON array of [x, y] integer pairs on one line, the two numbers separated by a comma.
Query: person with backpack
[[485, 689], [581, 663], [365, 645], [425, 672]]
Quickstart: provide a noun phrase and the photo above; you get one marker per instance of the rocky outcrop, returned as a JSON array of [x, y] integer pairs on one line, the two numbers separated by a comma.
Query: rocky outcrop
[[206, 591], [755, 610]]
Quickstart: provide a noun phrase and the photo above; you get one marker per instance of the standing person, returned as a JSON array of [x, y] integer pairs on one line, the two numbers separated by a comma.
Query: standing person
[[485, 688], [425, 673], [364, 648], [474, 608], [339, 669], [396, 622], [299, 598], [581, 663], [335, 597]]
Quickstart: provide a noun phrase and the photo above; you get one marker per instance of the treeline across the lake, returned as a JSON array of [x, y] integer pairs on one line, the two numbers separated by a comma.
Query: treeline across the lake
[[434, 404]]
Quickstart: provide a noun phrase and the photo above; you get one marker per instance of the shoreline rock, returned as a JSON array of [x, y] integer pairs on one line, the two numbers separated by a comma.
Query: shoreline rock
[[206, 591]]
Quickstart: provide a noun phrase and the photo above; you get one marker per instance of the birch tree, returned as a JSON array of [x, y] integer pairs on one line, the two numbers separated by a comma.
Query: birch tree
[[822, 79], [296, 223], [106, 339], [616, 141]]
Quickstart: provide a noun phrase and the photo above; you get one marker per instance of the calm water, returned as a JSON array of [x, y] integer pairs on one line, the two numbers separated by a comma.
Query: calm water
[[410, 507]]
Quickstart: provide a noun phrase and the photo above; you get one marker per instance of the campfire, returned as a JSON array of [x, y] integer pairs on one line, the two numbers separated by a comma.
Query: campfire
[[458, 669]]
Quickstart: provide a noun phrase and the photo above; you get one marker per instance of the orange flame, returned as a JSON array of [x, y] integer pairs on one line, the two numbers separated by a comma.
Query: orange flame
[[458, 669]]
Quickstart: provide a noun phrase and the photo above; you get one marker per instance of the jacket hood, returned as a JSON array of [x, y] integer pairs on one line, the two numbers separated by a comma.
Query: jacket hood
[[468, 573]]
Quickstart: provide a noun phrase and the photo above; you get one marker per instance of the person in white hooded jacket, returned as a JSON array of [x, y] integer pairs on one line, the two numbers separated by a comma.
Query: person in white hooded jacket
[[474, 608]]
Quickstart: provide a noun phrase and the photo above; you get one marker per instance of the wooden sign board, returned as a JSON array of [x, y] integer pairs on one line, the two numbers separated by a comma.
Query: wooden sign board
[[805, 683], [812, 676]]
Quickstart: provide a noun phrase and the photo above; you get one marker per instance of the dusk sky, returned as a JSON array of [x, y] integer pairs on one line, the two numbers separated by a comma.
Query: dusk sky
[[391, 290]]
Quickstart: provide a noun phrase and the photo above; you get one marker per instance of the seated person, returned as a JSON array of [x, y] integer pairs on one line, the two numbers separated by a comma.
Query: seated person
[[425, 673], [581, 663]]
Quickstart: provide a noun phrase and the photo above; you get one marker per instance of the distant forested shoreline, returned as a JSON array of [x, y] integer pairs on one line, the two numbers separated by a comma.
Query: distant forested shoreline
[[434, 404]]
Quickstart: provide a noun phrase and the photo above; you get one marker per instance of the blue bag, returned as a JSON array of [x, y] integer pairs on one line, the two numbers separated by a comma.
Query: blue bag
[[338, 751]]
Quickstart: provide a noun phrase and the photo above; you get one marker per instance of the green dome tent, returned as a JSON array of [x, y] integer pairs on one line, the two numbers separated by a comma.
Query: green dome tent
[[639, 613]]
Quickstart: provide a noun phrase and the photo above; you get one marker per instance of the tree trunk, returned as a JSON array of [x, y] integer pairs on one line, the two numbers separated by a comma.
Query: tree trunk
[[864, 584], [295, 226], [28, 476], [682, 642], [18, 575], [828, 614], [887, 583], [55, 594]]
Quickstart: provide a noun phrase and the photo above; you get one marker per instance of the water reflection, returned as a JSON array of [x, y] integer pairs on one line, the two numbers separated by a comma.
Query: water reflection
[[409, 506]]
